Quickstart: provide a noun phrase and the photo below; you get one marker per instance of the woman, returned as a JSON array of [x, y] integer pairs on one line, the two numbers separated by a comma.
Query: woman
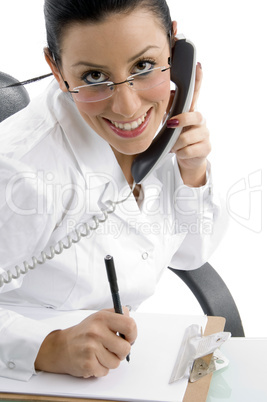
[[67, 155]]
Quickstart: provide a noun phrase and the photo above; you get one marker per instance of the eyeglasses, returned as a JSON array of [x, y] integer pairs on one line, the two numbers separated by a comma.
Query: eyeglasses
[[137, 82]]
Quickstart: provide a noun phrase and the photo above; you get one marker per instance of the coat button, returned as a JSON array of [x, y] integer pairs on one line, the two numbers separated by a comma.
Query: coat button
[[145, 256], [11, 365]]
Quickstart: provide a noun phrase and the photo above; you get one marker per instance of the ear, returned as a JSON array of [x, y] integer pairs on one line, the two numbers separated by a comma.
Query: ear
[[52, 64], [174, 27]]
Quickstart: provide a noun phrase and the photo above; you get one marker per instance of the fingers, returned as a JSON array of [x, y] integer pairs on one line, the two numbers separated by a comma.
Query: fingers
[[99, 361], [192, 136], [193, 143], [125, 309], [194, 129], [123, 324], [113, 324], [90, 348], [195, 151], [198, 82], [91, 363], [93, 358], [187, 120], [96, 346]]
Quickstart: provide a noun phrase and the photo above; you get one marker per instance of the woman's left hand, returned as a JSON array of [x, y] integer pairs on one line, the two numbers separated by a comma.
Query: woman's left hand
[[193, 145]]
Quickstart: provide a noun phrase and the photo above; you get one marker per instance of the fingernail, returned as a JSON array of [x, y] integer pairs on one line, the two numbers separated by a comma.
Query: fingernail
[[172, 123], [199, 64]]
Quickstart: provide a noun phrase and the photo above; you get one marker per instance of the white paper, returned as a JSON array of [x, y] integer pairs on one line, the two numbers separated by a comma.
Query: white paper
[[145, 378]]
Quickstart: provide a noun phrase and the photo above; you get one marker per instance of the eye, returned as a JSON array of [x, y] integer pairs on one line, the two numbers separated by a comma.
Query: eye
[[144, 66], [94, 77]]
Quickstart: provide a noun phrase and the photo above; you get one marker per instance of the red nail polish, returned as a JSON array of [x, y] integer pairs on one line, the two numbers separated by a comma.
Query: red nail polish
[[172, 123], [199, 64]]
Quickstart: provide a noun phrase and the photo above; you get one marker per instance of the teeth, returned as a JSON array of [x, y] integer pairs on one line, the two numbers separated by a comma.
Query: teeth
[[130, 126]]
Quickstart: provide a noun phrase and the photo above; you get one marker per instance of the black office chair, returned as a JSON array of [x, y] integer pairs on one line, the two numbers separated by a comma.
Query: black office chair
[[213, 296], [12, 99], [205, 283]]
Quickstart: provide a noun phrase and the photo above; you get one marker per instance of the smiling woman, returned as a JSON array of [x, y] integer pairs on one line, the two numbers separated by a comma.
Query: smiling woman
[[67, 157], [125, 107]]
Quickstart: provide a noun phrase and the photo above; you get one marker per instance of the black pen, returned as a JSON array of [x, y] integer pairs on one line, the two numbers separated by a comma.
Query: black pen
[[112, 278]]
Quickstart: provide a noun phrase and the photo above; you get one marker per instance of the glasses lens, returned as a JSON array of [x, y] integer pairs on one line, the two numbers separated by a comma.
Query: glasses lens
[[149, 79], [94, 93], [138, 82]]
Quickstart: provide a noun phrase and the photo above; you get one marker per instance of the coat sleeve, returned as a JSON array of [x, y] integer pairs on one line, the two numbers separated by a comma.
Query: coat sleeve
[[26, 223], [201, 214], [21, 338]]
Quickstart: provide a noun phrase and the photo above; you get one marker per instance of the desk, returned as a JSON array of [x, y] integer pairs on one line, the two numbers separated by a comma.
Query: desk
[[195, 391], [245, 379]]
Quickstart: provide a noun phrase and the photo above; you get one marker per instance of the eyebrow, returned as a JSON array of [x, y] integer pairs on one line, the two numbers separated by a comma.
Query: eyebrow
[[89, 64]]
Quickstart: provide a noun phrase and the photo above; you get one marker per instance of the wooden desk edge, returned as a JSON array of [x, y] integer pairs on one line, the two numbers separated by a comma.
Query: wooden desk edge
[[198, 390], [195, 391]]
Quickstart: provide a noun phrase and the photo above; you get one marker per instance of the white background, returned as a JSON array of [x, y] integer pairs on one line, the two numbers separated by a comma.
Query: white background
[[230, 37]]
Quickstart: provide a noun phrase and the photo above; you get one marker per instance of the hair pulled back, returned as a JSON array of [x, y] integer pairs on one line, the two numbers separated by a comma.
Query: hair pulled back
[[62, 13]]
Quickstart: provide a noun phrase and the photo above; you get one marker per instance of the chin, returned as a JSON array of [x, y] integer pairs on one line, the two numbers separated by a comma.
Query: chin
[[133, 149]]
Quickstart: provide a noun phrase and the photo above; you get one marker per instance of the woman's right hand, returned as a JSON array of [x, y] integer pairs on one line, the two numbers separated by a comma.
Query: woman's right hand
[[90, 348]]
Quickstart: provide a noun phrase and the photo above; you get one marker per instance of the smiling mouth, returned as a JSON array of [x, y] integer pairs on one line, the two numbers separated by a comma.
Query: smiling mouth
[[130, 126], [130, 129]]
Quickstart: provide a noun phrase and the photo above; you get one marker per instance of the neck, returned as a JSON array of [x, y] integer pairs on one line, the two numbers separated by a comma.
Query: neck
[[125, 162]]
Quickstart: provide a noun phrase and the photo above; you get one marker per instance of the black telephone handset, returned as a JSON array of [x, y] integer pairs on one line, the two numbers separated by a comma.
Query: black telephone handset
[[183, 76]]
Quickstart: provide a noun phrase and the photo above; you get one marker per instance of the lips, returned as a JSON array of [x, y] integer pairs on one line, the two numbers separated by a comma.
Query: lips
[[131, 125], [130, 129]]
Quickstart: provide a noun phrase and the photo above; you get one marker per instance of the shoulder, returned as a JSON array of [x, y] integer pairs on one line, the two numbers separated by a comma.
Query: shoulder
[[36, 126]]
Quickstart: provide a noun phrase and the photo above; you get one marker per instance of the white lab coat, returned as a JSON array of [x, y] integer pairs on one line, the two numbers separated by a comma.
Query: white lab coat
[[56, 172]]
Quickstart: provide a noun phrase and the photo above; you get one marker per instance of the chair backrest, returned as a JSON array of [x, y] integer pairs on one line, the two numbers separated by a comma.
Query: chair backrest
[[213, 296], [12, 99]]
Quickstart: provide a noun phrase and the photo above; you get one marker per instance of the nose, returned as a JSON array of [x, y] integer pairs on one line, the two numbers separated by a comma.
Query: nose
[[125, 101]]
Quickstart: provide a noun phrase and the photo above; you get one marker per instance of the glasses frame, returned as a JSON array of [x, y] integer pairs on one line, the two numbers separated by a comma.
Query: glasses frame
[[107, 84]]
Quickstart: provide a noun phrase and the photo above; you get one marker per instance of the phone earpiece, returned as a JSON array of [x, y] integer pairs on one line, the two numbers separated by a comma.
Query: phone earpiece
[[183, 72]]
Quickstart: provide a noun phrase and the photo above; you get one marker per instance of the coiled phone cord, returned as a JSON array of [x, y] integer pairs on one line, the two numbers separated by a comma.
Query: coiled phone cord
[[82, 230]]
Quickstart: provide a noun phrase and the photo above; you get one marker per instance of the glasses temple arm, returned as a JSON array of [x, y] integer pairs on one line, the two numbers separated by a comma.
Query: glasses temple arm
[[65, 82]]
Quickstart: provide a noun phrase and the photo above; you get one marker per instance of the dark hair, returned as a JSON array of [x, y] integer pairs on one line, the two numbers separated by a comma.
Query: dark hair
[[62, 13], [59, 14]]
